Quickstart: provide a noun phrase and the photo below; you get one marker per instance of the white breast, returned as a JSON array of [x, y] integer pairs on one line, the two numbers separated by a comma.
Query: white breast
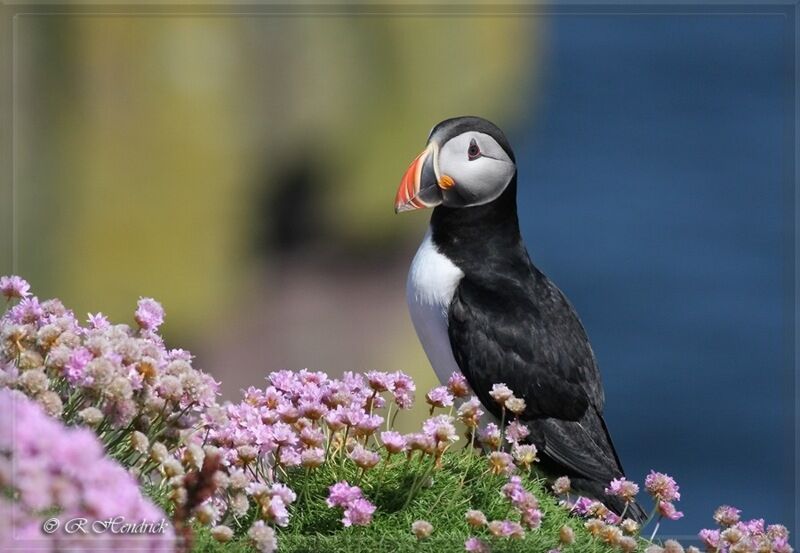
[[432, 281]]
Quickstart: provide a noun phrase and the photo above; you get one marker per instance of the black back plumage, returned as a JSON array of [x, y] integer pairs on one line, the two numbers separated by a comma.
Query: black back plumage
[[507, 322]]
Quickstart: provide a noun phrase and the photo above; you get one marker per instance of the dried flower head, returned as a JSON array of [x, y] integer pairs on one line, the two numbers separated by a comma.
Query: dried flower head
[[501, 393], [475, 518], [525, 455], [627, 544], [726, 515], [421, 529], [562, 485], [501, 462], [470, 412], [222, 533], [91, 416], [629, 526], [515, 404], [672, 546], [566, 535]]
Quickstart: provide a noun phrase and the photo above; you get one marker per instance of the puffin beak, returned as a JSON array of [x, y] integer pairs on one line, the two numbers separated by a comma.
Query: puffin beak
[[419, 187]]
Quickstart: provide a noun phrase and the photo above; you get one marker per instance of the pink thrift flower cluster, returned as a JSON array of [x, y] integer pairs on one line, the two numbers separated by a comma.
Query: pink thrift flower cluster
[[525, 508], [239, 468], [357, 509], [103, 375], [46, 467], [733, 534], [14, 287], [664, 491]]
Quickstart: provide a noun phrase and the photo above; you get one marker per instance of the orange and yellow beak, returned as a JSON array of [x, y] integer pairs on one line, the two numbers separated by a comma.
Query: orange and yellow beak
[[420, 186]]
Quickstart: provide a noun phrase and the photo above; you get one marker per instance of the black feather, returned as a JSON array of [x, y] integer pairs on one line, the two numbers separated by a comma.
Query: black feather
[[507, 322]]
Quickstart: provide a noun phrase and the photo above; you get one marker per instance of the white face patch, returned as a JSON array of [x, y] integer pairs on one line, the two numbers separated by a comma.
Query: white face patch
[[480, 178]]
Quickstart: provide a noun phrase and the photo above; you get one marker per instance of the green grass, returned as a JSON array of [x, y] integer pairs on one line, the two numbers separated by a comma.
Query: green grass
[[462, 483]]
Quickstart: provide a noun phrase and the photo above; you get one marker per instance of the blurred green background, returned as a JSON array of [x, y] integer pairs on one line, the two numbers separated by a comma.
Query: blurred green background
[[242, 170]]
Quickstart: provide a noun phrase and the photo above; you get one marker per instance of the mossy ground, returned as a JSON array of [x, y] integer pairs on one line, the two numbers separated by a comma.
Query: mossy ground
[[462, 482]]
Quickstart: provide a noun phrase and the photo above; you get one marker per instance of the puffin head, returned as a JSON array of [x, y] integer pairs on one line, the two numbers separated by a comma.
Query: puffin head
[[467, 162]]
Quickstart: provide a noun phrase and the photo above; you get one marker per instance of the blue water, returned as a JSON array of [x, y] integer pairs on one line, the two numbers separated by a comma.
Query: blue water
[[655, 189]]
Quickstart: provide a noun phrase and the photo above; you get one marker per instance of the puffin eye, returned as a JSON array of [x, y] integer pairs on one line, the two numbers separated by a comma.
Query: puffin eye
[[473, 151]]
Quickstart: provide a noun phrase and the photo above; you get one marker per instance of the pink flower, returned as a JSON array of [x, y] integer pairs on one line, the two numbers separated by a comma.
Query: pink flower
[[506, 529], [74, 368], [490, 436], [394, 442], [667, 510], [282, 434], [358, 513], [582, 506], [149, 314], [312, 457], [661, 486], [14, 287], [457, 385], [514, 491], [622, 488], [531, 517], [380, 381], [27, 311], [404, 389], [312, 436], [781, 545], [475, 545], [368, 425], [357, 510], [98, 321], [753, 526], [342, 494], [420, 441], [284, 492], [710, 538], [439, 397], [516, 432], [58, 468], [726, 515], [440, 429], [276, 511], [363, 457]]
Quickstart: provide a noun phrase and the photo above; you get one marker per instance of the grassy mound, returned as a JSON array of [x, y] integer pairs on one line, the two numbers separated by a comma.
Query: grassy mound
[[462, 482]]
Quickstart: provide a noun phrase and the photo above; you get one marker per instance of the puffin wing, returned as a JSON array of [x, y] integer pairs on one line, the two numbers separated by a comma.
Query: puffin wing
[[522, 331]]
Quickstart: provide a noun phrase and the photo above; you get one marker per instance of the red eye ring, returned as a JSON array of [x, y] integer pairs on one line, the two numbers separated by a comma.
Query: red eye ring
[[473, 152]]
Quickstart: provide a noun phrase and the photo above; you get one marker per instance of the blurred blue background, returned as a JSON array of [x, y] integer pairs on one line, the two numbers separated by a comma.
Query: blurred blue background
[[656, 190]]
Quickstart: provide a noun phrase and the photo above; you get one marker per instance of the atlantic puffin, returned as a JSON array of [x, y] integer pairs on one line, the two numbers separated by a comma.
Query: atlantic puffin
[[481, 307]]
